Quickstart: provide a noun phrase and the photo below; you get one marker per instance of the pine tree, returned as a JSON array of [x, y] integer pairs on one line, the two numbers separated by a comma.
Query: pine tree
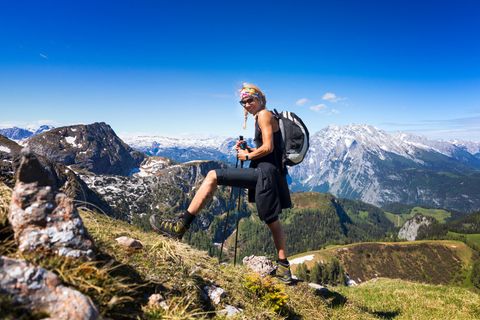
[[476, 274], [316, 274], [302, 272]]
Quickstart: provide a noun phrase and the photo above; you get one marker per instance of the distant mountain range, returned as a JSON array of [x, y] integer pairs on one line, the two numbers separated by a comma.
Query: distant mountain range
[[360, 162], [355, 161], [17, 134]]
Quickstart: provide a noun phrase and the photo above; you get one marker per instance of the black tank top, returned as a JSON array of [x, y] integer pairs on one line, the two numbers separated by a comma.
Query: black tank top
[[274, 157]]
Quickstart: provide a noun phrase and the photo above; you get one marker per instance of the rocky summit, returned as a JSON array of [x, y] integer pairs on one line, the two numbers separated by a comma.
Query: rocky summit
[[94, 147]]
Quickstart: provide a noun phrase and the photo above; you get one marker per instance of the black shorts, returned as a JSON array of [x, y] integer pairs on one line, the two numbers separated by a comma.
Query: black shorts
[[235, 177], [242, 178]]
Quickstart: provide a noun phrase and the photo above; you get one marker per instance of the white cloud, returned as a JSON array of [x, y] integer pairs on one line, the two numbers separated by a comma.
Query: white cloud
[[301, 102], [332, 97], [334, 111], [318, 107], [44, 56]]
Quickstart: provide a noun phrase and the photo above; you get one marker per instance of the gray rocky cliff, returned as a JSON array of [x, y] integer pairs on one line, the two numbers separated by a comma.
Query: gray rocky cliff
[[167, 191], [409, 230]]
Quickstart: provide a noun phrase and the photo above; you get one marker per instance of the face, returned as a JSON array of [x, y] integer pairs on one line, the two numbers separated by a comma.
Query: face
[[251, 104]]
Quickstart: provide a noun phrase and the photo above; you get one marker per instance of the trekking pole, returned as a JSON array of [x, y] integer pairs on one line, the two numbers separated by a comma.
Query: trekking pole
[[228, 213], [240, 191], [226, 220]]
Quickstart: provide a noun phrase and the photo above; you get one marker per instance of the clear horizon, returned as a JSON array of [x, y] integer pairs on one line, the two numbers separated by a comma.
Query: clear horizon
[[163, 68]]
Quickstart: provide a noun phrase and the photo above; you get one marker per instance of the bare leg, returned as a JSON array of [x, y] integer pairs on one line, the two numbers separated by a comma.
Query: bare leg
[[279, 238], [204, 193]]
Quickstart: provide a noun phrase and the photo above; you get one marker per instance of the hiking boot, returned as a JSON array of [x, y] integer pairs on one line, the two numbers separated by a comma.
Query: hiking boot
[[283, 272], [172, 228]]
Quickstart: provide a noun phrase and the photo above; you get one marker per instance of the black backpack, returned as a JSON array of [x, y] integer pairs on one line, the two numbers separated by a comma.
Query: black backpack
[[295, 137]]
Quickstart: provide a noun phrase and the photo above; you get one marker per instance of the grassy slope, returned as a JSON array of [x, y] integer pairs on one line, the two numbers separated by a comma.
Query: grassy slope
[[122, 285], [399, 219], [182, 270], [473, 238], [446, 262]]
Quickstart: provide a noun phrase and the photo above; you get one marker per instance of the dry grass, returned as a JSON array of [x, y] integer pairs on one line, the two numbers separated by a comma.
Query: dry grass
[[5, 197], [7, 243]]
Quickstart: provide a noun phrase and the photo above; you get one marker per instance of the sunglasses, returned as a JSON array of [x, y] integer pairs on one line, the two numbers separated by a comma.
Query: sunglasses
[[244, 102]]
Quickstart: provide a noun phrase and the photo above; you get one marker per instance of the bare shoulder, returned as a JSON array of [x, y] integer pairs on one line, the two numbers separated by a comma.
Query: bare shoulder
[[264, 115]]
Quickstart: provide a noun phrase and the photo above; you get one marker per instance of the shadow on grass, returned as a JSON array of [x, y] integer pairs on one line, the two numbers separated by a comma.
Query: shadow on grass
[[332, 298], [382, 314], [142, 289]]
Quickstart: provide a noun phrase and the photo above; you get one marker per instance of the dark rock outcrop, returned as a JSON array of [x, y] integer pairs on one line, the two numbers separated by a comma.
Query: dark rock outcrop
[[9, 151], [41, 217], [93, 147], [41, 291]]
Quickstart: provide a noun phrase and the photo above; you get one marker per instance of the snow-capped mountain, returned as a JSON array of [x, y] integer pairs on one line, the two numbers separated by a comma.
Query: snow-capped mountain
[[186, 148], [361, 162], [18, 134]]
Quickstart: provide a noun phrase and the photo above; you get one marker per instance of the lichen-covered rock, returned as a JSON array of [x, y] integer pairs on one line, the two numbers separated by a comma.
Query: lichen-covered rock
[[42, 291], [41, 217], [259, 264]]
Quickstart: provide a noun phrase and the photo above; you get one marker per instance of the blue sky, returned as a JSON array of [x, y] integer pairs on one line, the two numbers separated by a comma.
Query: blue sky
[[173, 67]]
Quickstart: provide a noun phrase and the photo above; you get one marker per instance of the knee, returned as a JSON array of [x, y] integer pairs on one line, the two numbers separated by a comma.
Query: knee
[[211, 177]]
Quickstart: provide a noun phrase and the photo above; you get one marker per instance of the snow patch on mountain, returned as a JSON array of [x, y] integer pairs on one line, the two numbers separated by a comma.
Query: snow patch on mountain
[[170, 142], [5, 149]]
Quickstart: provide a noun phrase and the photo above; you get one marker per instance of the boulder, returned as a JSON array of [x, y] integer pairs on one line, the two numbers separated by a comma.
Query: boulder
[[41, 291], [214, 293], [259, 264], [129, 243], [41, 217]]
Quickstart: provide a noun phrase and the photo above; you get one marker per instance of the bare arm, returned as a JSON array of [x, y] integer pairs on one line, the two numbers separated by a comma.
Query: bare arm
[[265, 122]]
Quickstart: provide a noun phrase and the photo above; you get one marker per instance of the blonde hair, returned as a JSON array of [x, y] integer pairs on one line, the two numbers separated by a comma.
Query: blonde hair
[[263, 100]]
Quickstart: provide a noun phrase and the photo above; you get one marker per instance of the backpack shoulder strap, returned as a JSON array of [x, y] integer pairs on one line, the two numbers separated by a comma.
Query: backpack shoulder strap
[[275, 114]]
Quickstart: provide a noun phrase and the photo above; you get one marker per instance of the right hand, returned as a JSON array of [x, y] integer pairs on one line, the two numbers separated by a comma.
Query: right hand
[[238, 145]]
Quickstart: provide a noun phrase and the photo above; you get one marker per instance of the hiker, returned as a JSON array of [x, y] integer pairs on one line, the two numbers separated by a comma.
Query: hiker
[[265, 179]]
